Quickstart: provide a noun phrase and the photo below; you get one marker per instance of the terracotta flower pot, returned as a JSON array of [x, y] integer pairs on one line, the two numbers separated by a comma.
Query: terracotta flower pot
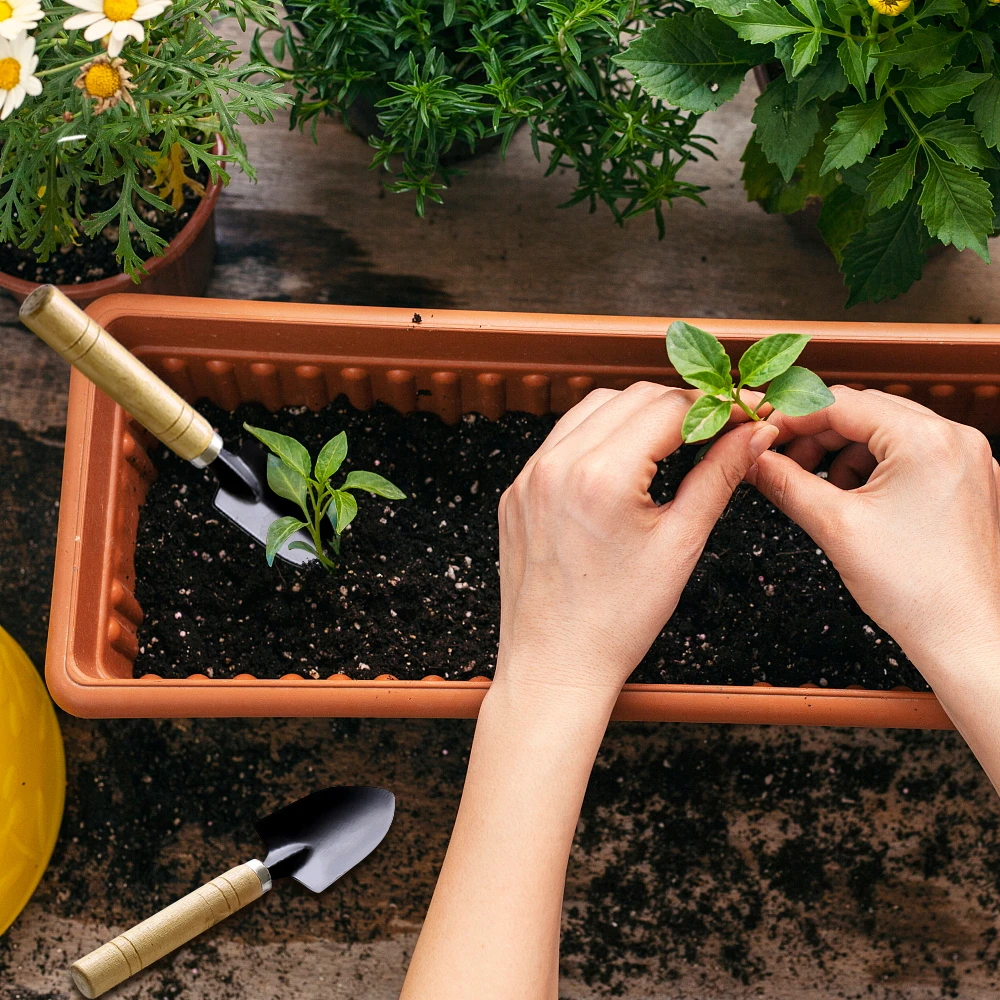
[[450, 363], [184, 269]]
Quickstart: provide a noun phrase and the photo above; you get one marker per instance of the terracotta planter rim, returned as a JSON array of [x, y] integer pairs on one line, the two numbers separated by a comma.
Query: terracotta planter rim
[[458, 359]]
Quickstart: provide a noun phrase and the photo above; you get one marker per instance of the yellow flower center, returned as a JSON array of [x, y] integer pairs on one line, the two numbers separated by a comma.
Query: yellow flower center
[[5, 10], [10, 73], [120, 10], [102, 80]]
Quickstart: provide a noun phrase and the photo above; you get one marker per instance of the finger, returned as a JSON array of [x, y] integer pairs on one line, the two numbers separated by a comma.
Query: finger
[[852, 467], [871, 417], [704, 492], [572, 419], [808, 452], [804, 497]]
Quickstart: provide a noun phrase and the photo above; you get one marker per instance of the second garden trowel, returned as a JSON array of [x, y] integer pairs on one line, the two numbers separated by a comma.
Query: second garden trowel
[[243, 494], [314, 841]]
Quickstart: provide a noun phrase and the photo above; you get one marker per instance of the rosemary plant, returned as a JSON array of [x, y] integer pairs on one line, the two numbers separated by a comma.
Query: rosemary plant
[[446, 75]]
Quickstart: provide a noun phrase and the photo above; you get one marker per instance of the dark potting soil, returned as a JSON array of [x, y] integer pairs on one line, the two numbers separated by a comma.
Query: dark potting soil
[[94, 259], [417, 591]]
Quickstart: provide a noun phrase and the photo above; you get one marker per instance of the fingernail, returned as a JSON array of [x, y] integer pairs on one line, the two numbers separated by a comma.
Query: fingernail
[[763, 438]]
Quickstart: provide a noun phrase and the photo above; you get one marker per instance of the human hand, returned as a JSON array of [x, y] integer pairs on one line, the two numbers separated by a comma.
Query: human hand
[[908, 516], [590, 567]]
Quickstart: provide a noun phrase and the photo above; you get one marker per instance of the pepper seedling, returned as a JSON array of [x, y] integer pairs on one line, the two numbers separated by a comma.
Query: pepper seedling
[[292, 474], [701, 361]]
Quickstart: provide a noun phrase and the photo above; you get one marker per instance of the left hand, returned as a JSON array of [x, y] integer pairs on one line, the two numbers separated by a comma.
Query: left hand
[[591, 567]]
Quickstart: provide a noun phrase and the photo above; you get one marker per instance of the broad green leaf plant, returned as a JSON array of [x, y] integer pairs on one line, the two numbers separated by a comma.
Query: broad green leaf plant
[[292, 474], [124, 95], [887, 110], [447, 75], [702, 361]]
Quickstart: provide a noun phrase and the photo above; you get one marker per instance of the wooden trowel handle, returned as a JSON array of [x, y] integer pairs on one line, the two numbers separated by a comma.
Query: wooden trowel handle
[[66, 328], [115, 961]]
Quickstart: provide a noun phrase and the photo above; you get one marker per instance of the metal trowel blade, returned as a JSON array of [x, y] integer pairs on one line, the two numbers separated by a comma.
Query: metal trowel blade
[[255, 516], [317, 839]]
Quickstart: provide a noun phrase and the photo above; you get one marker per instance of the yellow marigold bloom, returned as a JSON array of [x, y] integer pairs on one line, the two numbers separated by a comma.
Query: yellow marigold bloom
[[894, 7], [107, 82]]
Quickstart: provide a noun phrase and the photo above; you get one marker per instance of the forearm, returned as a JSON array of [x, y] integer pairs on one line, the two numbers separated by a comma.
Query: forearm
[[492, 930], [966, 681]]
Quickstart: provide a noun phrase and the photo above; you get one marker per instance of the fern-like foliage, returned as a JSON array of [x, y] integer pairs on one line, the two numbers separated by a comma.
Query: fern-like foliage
[[446, 75], [189, 93]]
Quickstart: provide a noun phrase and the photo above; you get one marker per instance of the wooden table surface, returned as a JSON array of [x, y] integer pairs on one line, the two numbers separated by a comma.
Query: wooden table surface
[[711, 862]]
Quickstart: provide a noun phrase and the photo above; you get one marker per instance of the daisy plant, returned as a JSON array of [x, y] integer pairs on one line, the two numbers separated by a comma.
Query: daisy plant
[[887, 112], [292, 474], [139, 98], [702, 361]]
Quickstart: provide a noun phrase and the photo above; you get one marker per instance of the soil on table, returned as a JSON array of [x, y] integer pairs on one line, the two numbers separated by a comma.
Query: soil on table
[[94, 259], [417, 591]]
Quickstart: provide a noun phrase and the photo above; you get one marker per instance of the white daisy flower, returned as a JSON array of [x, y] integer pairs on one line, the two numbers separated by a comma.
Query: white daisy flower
[[17, 16], [115, 18], [17, 64]]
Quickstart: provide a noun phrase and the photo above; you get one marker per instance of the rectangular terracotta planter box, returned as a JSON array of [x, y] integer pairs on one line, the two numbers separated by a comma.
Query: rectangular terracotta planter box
[[449, 363]]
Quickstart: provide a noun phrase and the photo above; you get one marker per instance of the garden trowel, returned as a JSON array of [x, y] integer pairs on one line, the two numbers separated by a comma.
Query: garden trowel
[[314, 841], [243, 494]]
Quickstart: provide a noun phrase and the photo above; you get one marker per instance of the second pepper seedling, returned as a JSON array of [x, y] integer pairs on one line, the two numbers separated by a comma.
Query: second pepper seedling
[[702, 361]]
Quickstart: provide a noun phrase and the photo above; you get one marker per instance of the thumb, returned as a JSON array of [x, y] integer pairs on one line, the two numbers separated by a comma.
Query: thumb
[[804, 497], [706, 490]]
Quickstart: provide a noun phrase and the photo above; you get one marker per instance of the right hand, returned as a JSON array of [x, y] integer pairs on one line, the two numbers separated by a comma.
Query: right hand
[[908, 515]]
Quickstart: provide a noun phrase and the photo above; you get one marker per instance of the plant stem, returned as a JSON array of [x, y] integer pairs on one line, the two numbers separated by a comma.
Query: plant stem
[[737, 399]]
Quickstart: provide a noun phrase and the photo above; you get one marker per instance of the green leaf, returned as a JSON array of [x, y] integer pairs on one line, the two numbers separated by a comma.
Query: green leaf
[[892, 178], [823, 80], [699, 358], [305, 546], [769, 357], [885, 257], [930, 95], [278, 533], [959, 142], [293, 454], [342, 511], [798, 392], [331, 457], [938, 8], [956, 205], [925, 50], [810, 8], [448, 14], [724, 7], [287, 483], [805, 53], [785, 132], [705, 419], [855, 63], [766, 21], [854, 135], [373, 483], [841, 216], [691, 61], [985, 108]]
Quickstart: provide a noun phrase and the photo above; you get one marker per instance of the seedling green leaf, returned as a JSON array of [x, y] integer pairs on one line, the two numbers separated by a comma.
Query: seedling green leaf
[[694, 353], [798, 392], [373, 483], [769, 357], [293, 454], [314, 493], [343, 510], [331, 457], [699, 358], [707, 416], [286, 482], [278, 533]]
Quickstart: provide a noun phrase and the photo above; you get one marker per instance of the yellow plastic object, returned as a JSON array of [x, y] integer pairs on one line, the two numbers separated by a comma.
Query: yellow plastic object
[[32, 779]]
